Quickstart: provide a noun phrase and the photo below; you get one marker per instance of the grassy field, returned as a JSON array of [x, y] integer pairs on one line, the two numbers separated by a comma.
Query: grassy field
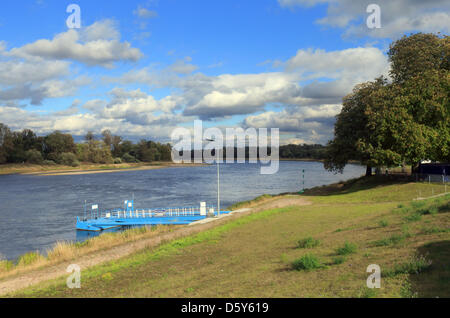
[[320, 250]]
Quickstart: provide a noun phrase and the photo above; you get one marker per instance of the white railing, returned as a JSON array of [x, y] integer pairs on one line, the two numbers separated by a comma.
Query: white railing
[[142, 213]]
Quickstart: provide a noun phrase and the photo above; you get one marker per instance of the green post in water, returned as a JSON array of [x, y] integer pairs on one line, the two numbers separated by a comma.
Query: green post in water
[[303, 182]]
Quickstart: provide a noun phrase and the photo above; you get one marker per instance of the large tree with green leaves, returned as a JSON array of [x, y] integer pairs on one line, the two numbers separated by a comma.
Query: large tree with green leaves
[[401, 122]]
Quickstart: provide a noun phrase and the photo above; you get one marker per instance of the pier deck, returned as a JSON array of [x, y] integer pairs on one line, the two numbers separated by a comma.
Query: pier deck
[[99, 221]]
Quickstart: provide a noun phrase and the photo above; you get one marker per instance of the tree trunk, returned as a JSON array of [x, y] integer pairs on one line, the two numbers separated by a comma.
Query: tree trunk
[[368, 171]]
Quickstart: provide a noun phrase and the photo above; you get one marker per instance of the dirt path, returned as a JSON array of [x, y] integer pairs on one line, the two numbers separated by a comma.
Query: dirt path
[[10, 285]]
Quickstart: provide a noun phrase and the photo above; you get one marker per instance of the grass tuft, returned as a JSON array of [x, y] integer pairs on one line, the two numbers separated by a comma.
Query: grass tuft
[[29, 258], [308, 242], [339, 260], [392, 240], [348, 248], [307, 262], [416, 265]]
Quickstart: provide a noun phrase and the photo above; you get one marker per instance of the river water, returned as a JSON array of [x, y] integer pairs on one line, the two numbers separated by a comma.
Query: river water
[[37, 211]]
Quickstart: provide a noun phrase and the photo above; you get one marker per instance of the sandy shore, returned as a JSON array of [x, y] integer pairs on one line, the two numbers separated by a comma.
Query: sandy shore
[[38, 170]]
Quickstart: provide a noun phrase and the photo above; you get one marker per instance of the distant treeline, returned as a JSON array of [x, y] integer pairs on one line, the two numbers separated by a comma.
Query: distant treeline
[[317, 152], [59, 148]]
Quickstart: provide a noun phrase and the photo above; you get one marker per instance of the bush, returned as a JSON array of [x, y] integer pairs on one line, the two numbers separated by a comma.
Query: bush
[[49, 162], [308, 242], [69, 159], [348, 248], [128, 158], [307, 262], [416, 265], [33, 156], [117, 161]]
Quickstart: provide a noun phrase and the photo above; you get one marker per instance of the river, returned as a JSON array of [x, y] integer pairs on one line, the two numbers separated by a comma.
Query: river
[[37, 211]]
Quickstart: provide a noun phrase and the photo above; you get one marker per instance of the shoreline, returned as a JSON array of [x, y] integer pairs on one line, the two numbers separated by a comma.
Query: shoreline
[[41, 170]]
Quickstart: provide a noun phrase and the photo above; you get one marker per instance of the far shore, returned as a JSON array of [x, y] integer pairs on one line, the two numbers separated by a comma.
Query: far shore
[[86, 168]]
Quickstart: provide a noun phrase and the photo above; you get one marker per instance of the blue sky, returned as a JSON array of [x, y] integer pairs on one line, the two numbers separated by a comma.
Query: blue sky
[[143, 68]]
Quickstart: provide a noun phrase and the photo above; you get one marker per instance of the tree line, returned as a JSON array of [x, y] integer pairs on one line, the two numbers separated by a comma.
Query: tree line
[[60, 148], [402, 120]]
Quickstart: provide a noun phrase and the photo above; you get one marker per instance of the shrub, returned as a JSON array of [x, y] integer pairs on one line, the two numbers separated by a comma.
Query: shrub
[[307, 262], [128, 158], [49, 162], [68, 159], [348, 248], [117, 161], [308, 242], [33, 156], [432, 210], [416, 265]]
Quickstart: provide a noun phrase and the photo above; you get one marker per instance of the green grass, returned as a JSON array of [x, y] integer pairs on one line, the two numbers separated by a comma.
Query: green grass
[[416, 265], [307, 262], [253, 256], [383, 223], [29, 258], [435, 230], [348, 248], [308, 242], [339, 260], [392, 240]]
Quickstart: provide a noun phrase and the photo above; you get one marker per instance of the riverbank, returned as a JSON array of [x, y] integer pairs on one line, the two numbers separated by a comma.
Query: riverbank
[[85, 168], [260, 251]]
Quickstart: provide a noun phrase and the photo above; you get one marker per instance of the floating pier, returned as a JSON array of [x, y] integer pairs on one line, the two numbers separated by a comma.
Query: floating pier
[[98, 221]]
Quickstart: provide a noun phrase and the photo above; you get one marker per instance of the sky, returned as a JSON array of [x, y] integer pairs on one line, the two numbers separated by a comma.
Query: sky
[[143, 68]]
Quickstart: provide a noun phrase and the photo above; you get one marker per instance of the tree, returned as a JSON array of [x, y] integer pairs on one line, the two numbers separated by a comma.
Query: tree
[[107, 138], [417, 53], [89, 137], [350, 130], [57, 143], [6, 143], [406, 121], [410, 122]]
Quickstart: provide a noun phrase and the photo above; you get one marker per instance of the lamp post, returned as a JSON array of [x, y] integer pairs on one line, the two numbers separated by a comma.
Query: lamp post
[[218, 179]]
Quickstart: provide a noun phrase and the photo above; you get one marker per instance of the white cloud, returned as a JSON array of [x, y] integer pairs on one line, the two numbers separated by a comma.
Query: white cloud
[[183, 66], [145, 13], [313, 123], [97, 44], [398, 17]]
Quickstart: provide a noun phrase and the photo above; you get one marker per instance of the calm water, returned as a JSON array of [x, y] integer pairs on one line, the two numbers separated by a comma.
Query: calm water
[[37, 211]]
